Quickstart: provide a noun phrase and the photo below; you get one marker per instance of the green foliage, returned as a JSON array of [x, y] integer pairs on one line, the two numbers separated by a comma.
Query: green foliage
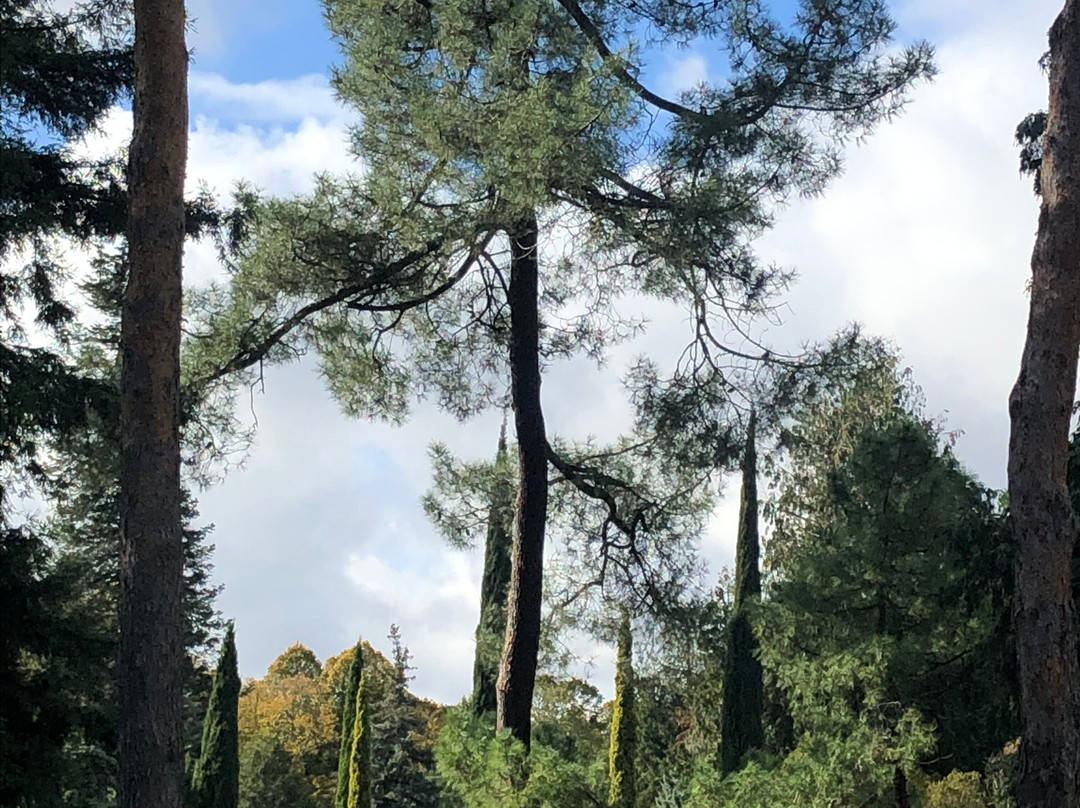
[[55, 678], [348, 717], [270, 777], [215, 779], [481, 771], [495, 584], [852, 739], [908, 547], [622, 757], [569, 718], [360, 752]]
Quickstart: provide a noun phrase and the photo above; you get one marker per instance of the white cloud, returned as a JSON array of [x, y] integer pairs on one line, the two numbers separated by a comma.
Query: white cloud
[[684, 73], [274, 101]]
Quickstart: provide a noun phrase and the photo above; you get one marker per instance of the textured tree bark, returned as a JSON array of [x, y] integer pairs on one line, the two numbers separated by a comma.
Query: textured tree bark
[[151, 552], [517, 675], [1040, 408]]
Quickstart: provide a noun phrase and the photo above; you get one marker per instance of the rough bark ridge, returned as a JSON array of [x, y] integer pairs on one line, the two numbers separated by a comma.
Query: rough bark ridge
[[1040, 408], [517, 675], [151, 765], [744, 691]]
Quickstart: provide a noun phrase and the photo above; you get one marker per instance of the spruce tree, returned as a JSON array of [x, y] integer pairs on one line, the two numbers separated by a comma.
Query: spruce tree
[[491, 629], [215, 779], [623, 749], [348, 719], [360, 751], [741, 722]]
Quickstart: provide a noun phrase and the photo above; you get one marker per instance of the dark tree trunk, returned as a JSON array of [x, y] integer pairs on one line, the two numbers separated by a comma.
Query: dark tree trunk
[[517, 675], [1040, 408], [151, 765], [744, 690]]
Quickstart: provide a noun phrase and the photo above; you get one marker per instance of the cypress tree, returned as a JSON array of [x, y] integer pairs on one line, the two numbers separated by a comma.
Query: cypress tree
[[741, 724], [491, 630], [360, 752], [348, 718], [215, 780], [623, 749]]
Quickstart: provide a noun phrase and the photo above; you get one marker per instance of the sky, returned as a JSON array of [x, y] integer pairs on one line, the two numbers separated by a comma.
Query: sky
[[925, 240]]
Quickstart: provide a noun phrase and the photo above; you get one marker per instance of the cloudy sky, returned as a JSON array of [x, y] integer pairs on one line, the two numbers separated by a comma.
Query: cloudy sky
[[925, 239]]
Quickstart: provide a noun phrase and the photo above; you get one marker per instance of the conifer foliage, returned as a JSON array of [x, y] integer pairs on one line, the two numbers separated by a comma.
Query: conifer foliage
[[348, 719], [741, 727], [360, 752], [491, 629], [623, 750], [215, 779]]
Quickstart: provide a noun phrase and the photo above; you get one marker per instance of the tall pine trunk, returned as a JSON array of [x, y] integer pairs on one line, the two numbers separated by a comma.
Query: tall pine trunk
[[215, 781], [491, 629], [517, 676], [1040, 408], [744, 690], [348, 718], [151, 765]]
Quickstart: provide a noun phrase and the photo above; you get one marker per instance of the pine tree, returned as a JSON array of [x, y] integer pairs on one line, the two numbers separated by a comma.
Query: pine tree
[[360, 752], [348, 719], [483, 126], [623, 749], [491, 629], [149, 670], [741, 724], [215, 779]]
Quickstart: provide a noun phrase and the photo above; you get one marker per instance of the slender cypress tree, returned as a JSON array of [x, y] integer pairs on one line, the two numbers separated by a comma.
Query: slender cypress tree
[[491, 630], [360, 752], [741, 724], [348, 718], [623, 749], [215, 780]]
